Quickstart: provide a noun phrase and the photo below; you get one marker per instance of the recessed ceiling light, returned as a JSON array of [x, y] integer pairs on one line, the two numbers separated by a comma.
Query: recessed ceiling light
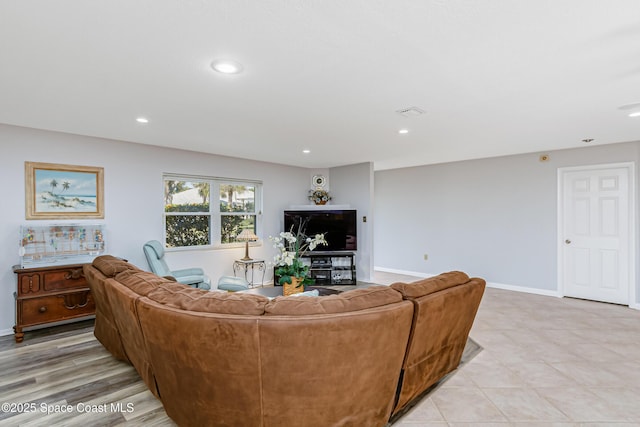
[[632, 106], [403, 131], [410, 111], [306, 151], [226, 66], [635, 114], [142, 120]]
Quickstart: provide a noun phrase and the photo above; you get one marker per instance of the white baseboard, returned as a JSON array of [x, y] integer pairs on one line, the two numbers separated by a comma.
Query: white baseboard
[[403, 272], [5, 332], [515, 288], [525, 289]]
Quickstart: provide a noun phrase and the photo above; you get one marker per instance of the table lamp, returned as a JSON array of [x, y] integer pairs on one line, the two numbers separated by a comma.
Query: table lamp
[[247, 235]]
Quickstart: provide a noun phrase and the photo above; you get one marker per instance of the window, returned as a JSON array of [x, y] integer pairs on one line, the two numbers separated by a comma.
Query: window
[[202, 211]]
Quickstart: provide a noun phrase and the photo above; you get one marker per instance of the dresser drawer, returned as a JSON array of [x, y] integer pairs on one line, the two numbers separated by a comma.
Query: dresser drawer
[[29, 283], [49, 280], [54, 308], [60, 280]]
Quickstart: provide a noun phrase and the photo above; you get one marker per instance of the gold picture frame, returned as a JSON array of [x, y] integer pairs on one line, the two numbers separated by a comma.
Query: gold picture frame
[[55, 191]]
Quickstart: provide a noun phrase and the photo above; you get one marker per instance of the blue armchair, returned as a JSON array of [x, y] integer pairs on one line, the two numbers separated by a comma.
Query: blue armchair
[[195, 277]]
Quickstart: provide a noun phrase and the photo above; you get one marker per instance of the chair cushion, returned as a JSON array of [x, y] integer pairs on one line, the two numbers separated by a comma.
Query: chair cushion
[[354, 300], [156, 247], [234, 284]]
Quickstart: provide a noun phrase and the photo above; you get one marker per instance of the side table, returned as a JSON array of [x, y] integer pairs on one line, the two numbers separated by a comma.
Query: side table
[[244, 266]]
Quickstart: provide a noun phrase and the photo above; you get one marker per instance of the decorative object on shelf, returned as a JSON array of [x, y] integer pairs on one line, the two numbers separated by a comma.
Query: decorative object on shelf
[[55, 191], [247, 235], [291, 246], [318, 181], [319, 197]]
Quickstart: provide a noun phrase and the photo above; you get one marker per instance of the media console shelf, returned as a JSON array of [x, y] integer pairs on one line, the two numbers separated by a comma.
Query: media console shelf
[[330, 268]]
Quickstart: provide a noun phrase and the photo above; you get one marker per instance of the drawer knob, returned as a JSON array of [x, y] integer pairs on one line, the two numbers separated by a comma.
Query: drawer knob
[[42, 309]]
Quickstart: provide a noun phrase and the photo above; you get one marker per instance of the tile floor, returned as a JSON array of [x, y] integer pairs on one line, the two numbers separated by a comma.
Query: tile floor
[[546, 362]]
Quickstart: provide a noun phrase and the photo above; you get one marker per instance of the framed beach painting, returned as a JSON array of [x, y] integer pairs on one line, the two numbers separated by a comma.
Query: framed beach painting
[[55, 191]]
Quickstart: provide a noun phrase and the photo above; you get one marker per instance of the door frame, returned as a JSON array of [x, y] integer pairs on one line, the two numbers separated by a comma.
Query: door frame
[[633, 241]]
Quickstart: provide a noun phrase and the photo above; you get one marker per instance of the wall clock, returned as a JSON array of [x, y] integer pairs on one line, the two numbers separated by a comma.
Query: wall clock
[[318, 181]]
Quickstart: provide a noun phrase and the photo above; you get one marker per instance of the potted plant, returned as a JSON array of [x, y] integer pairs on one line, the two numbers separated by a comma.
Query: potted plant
[[291, 246], [319, 197]]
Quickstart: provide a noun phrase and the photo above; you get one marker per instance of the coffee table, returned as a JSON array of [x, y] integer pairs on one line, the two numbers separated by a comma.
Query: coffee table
[[276, 291]]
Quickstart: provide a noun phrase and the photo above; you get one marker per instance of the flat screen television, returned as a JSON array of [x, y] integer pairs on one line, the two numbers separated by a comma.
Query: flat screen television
[[339, 227]]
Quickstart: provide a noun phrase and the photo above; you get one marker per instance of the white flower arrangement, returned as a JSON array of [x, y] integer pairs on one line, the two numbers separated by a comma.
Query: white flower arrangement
[[291, 247]]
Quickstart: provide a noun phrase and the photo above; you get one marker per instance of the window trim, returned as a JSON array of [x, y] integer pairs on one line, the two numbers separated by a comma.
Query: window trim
[[214, 213]]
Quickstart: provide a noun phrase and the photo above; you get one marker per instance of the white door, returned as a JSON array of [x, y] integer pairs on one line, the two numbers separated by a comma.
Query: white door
[[595, 232]]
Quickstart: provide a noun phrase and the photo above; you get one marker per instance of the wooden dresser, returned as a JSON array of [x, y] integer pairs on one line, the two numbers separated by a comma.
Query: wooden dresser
[[51, 294]]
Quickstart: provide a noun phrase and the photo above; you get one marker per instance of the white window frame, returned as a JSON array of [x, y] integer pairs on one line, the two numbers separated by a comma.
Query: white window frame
[[215, 229]]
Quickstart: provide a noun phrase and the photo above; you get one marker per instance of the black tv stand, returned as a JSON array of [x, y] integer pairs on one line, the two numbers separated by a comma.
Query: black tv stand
[[329, 268]]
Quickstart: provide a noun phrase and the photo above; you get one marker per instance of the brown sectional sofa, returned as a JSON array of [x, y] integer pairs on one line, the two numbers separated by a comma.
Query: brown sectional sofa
[[444, 309], [236, 359]]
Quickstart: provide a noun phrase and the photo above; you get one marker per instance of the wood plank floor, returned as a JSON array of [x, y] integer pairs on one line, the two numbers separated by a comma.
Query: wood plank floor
[[63, 376], [65, 367]]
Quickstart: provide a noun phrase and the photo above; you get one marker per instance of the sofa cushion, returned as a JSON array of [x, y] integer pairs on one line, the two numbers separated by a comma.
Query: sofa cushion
[[431, 285], [354, 300], [110, 265], [186, 298], [141, 282]]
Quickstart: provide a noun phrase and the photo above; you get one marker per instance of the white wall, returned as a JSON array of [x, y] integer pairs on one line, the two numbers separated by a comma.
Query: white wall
[[353, 185], [494, 218], [133, 197]]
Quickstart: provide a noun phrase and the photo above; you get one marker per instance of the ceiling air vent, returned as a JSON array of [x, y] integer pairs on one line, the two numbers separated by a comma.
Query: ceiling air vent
[[410, 111]]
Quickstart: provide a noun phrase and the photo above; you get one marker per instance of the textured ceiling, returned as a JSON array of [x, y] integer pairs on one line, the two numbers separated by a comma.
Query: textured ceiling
[[495, 77]]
